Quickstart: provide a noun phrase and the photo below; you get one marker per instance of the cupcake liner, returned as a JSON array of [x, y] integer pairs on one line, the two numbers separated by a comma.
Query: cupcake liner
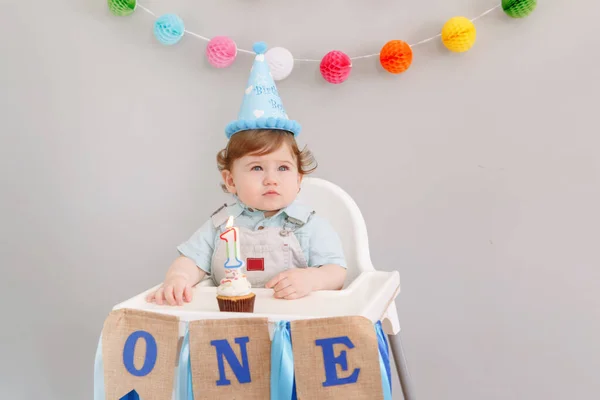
[[237, 303]]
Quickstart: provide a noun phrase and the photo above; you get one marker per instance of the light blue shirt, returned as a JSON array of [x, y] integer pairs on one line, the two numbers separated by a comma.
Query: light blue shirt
[[319, 242]]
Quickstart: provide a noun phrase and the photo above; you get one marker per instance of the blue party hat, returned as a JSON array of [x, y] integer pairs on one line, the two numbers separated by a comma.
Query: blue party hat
[[261, 107]]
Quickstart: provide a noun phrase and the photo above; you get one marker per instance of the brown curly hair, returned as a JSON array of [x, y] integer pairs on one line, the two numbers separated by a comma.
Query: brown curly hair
[[260, 142]]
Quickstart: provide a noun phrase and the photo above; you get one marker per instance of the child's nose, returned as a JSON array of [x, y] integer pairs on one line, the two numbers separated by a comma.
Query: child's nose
[[270, 178]]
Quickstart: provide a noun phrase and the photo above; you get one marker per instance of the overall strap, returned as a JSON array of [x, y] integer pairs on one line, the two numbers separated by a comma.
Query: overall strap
[[293, 223], [220, 216]]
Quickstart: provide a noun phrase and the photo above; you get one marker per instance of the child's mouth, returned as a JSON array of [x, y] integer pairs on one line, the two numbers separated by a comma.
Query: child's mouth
[[271, 193]]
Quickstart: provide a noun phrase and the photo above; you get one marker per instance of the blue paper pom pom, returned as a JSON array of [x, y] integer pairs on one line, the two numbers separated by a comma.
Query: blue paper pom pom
[[168, 29], [259, 47]]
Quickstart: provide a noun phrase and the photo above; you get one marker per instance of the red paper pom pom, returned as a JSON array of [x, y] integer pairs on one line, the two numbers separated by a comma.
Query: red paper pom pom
[[396, 56], [335, 67]]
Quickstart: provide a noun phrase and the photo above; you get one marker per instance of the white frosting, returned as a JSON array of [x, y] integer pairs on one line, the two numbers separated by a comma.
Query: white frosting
[[235, 283]]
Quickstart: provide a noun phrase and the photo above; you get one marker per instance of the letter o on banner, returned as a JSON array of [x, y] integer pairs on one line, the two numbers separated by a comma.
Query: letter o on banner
[[129, 353], [127, 366]]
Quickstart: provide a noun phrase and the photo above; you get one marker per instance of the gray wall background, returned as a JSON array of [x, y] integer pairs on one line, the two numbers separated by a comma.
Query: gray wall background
[[485, 164]]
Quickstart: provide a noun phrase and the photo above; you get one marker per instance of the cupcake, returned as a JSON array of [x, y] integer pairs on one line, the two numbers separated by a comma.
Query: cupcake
[[234, 294]]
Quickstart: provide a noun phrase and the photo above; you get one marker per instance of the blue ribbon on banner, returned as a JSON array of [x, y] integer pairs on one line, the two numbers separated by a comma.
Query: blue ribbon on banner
[[183, 382], [99, 373], [282, 363], [133, 395], [384, 362]]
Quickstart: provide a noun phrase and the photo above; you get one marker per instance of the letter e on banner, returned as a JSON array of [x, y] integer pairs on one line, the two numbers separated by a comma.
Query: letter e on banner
[[336, 358], [139, 350], [330, 360], [231, 359]]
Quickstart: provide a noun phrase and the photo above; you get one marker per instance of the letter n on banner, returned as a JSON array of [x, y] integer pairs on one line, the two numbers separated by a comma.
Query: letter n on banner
[[336, 358], [139, 350], [231, 359]]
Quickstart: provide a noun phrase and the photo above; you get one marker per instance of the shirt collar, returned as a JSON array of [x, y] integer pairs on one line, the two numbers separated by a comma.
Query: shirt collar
[[237, 208], [240, 208], [298, 211], [295, 210]]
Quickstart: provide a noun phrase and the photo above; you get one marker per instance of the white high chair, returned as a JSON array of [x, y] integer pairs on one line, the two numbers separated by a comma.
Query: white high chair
[[366, 292], [341, 211]]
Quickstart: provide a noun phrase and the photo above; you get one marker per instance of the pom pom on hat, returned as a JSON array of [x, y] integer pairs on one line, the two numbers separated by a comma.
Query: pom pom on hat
[[259, 47]]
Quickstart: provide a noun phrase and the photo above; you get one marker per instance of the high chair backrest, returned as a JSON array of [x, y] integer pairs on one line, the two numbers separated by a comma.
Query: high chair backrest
[[335, 205]]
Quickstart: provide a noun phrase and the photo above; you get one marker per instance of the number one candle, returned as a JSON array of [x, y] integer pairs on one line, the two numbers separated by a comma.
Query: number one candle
[[231, 237]]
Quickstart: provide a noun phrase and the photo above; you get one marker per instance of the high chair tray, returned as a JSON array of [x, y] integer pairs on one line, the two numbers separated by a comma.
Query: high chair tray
[[369, 295]]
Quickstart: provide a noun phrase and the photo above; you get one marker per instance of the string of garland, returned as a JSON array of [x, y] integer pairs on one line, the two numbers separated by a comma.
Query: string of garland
[[458, 35]]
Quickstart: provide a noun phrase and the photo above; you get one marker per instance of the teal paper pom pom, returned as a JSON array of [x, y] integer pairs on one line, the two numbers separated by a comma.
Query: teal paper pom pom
[[259, 47], [168, 29], [518, 8], [121, 8]]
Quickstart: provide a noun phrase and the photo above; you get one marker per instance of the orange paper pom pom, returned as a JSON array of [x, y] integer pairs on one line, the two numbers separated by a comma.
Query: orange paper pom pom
[[396, 56]]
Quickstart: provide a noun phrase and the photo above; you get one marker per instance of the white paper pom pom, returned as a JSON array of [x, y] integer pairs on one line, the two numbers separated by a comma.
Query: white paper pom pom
[[281, 62]]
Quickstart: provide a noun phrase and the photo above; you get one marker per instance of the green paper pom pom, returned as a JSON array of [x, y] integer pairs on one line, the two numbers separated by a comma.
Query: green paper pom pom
[[121, 8], [518, 8]]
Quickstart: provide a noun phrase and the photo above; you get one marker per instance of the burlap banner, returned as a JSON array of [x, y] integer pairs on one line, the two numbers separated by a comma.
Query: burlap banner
[[333, 358], [336, 358], [139, 350], [231, 359]]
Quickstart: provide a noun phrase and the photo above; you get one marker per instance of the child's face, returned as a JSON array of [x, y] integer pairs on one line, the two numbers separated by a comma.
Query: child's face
[[269, 182]]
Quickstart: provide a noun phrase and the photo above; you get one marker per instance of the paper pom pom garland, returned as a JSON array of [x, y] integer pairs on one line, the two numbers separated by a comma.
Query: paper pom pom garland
[[221, 51], [518, 8], [335, 67], [281, 62], [168, 29], [458, 35], [396, 56], [121, 8]]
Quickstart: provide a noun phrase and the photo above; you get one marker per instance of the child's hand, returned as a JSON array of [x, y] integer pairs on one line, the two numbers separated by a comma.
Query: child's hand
[[292, 284], [174, 291]]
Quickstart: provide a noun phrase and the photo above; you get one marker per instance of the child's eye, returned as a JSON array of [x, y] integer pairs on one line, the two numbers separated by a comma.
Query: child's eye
[[284, 168], [256, 168]]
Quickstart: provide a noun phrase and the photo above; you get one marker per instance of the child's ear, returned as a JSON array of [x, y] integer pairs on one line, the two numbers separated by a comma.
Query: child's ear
[[228, 181]]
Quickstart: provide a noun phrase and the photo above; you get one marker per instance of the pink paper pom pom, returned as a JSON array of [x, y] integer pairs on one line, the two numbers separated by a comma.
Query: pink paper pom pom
[[336, 66], [221, 51]]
